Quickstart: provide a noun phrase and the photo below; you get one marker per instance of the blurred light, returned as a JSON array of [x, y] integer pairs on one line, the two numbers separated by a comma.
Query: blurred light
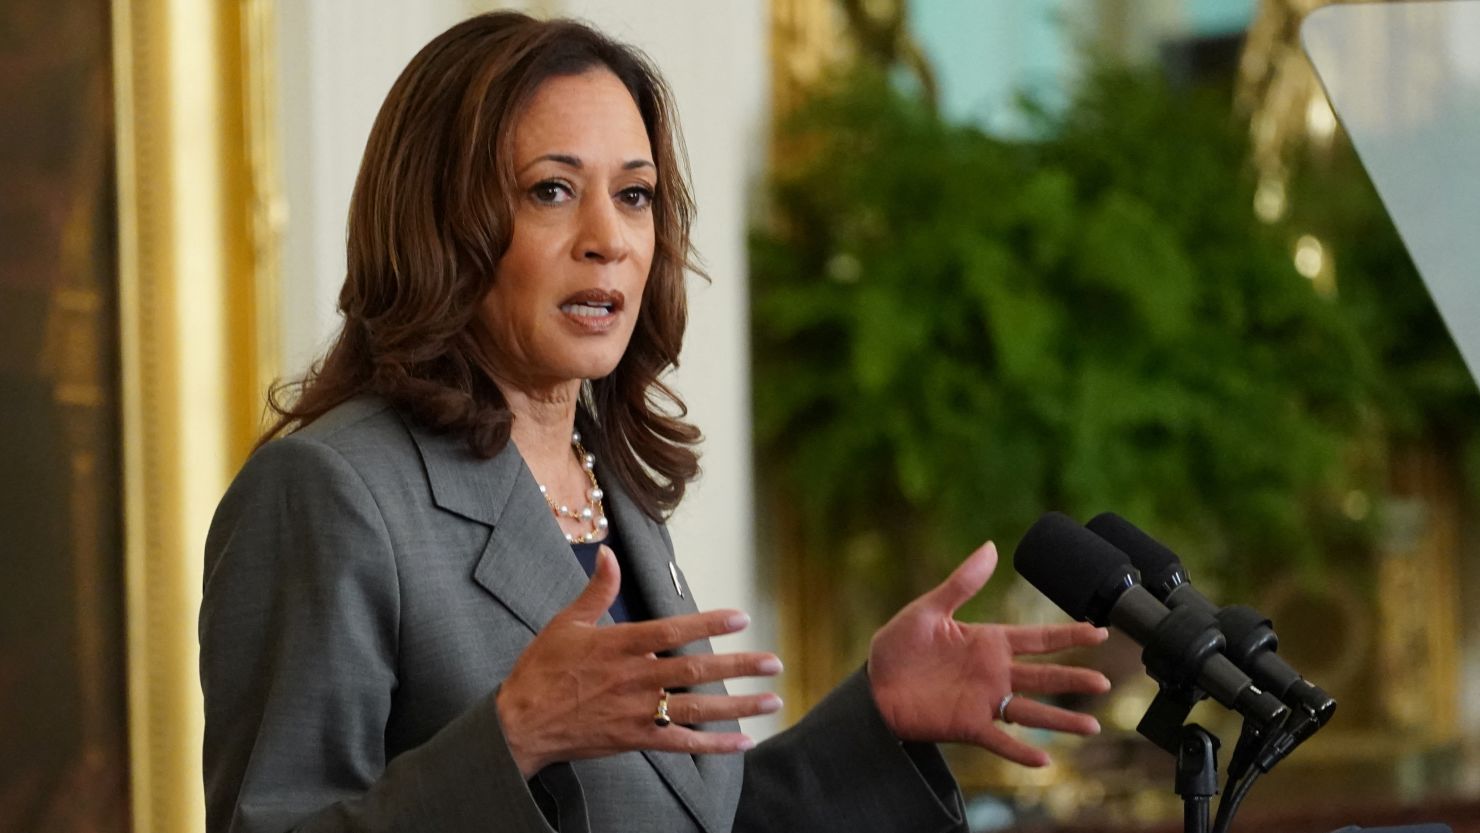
[[1310, 256], [1128, 703], [1147, 806], [1062, 801], [1269, 199], [1264, 129], [1320, 119], [986, 813], [844, 268]]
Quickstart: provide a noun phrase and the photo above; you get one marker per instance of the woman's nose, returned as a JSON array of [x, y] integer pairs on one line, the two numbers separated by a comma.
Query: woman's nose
[[602, 238]]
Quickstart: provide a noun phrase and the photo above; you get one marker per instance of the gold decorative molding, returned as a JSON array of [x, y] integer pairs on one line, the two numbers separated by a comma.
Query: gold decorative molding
[[257, 353], [1418, 599], [808, 39], [1276, 88], [198, 221]]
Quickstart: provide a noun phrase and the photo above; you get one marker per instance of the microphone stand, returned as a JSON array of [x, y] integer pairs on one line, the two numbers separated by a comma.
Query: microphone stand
[[1195, 748], [1197, 776]]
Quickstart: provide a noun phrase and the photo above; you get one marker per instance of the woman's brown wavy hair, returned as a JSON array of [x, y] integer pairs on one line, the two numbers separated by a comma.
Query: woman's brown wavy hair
[[431, 215]]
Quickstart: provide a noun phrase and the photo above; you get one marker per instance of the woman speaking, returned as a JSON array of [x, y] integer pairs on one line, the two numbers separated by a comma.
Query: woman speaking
[[440, 595]]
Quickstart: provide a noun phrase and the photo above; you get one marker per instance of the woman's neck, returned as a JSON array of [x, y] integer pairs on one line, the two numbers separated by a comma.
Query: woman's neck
[[543, 422]]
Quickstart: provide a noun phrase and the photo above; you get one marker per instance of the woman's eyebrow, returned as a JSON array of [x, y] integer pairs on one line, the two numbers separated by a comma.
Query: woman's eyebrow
[[575, 162]]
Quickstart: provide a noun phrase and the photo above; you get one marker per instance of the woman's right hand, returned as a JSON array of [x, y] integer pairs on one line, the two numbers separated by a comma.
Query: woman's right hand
[[582, 691]]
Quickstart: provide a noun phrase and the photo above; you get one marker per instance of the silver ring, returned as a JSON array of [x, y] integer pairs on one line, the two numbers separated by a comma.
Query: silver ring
[[660, 716], [1002, 707]]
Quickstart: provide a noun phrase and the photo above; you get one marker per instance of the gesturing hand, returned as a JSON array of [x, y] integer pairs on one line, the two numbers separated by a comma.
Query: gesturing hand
[[582, 691], [939, 680]]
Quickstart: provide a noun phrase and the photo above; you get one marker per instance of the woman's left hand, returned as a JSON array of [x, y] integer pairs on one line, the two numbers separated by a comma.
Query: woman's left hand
[[939, 680]]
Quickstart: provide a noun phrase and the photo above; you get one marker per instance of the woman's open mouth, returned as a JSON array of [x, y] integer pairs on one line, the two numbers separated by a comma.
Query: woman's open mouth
[[593, 309], [586, 310]]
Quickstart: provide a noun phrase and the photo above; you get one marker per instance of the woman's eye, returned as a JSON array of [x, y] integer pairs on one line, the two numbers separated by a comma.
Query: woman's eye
[[638, 196], [550, 192]]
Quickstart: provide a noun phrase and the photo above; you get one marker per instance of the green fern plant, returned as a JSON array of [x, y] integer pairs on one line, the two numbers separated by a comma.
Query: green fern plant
[[954, 333]]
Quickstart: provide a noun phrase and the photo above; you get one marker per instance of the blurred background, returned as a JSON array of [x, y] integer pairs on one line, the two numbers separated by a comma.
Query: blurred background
[[972, 260]]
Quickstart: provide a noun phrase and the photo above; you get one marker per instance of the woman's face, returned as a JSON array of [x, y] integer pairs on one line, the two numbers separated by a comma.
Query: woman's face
[[568, 290]]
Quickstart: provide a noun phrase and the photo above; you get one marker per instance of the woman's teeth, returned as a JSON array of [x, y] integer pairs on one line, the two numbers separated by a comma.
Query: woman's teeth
[[587, 310]]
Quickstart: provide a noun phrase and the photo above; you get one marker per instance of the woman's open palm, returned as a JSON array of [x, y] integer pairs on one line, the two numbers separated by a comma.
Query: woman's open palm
[[936, 679]]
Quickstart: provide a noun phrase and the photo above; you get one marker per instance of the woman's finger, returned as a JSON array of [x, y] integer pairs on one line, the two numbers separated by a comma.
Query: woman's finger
[[658, 635], [1046, 639], [965, 581], [676, 738], [1000, 743], [694, 669], [1057, 679], [600, 592], [692, 709], [1036, 715]]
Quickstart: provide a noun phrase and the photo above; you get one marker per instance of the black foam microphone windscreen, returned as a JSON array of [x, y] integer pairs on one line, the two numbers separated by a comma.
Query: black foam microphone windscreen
[[1161, 570], [1077, 570]]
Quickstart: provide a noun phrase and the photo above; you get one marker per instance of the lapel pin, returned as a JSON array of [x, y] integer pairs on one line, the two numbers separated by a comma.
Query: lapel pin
[[673, 571]]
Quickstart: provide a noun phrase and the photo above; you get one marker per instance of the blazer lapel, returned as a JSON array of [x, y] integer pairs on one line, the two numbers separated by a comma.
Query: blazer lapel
[[709, 785], [529, 568], [526, 564], [648, 559]]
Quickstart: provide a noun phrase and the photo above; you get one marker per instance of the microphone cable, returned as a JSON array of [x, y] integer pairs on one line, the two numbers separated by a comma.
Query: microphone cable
[[1234, 793], [1255, 754]]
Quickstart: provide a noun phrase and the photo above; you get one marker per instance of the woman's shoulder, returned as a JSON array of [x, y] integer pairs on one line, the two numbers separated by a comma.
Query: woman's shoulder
[[365, 426], [358, 458], [363, 435], [365, 418], [368, 447]]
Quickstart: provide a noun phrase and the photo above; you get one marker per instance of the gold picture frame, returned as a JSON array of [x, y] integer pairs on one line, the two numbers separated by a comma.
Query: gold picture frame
[[199, 219]]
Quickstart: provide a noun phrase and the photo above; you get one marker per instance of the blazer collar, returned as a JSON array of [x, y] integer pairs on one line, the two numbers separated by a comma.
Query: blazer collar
[[529, 567], [463, 483], [526, 564], [527, 549]]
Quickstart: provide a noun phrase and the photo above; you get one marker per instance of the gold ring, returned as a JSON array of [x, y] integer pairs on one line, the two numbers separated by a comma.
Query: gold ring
[[1002, 707], [660, 717]]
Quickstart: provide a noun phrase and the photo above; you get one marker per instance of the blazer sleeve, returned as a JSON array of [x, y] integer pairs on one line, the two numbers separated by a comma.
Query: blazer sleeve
[[840, 770], [298, 637]]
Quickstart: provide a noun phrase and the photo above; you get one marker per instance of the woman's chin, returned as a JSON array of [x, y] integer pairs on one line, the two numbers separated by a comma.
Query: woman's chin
[[593, 367], [594, 358]]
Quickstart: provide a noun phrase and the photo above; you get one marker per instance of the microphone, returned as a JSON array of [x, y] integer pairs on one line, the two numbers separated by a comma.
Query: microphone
[[1251, 642], [1182, 649]]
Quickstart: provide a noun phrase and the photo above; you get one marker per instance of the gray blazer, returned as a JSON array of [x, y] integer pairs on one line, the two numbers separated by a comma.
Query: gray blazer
[[370, 583]]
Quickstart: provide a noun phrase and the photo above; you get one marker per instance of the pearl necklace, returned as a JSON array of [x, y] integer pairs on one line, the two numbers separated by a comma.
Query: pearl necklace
[[592, 512]]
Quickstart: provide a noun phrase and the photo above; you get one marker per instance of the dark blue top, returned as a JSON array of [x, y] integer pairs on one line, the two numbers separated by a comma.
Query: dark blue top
[[628, 606]]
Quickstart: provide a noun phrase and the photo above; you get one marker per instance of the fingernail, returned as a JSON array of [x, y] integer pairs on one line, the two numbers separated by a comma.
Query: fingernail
[[744, 744], [1094, 726], [738, 620], [769, 665], [770, 703]]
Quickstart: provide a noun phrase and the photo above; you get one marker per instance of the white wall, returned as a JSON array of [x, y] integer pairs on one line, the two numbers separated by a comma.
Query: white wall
[[339, 58]]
